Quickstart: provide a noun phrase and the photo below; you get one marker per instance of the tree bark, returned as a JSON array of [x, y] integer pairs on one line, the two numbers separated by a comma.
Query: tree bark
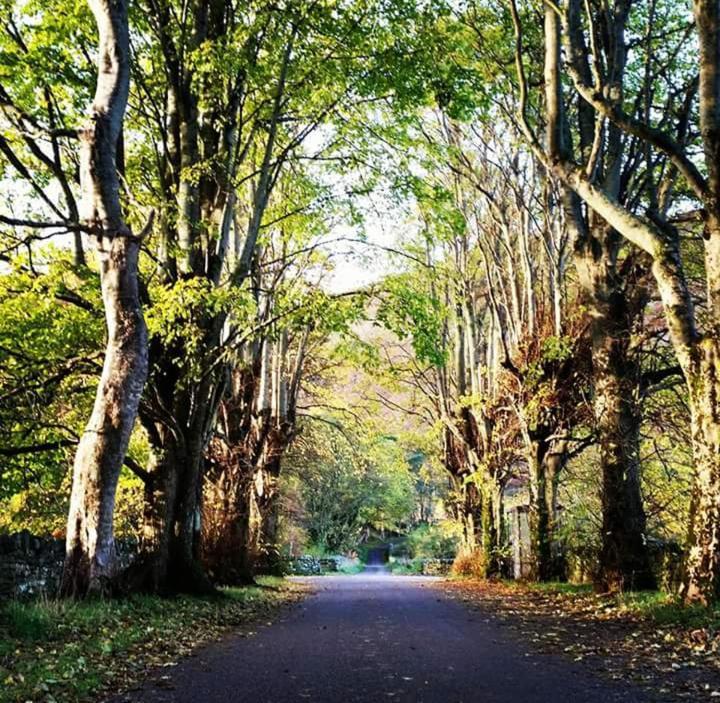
[[90, 561], [492, 528], [539, 516], [624, 562], [169, 558], [546, 460], [257, 421], [150, 572], [464, 499], [701, 582]]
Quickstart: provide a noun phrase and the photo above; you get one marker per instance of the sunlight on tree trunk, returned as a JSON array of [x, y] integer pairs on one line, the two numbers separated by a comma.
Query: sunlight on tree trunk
[[90, 562]]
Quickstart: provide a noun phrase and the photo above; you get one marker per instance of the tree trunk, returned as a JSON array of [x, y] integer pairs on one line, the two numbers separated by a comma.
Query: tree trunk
[[245, 547], [470, 509], [178, 418], [178, 500], [233, 556], [701, 582], [266, 494], [491, 529], [613, 295], [240, 521], [149, 572], [256, 428], [547, 456], [168, 560], [538, 516], [90, 560], [246, 532], [464, 498], [272, 562], [185, 570], [555, 460], [624, 562]]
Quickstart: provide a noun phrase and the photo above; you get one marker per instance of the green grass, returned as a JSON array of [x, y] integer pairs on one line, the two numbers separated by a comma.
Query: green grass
[[54, 651], [405, 568], [31, 622], [668, 609], [350, 569], [561, 587]]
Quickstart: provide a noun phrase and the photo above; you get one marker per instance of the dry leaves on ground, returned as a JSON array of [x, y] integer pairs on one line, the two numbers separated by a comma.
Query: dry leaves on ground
[[637, 639], [56, 652]]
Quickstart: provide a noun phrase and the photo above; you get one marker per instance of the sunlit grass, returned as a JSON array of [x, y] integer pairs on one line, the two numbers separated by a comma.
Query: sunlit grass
[[562, 587], [668, 609], [410, 567]]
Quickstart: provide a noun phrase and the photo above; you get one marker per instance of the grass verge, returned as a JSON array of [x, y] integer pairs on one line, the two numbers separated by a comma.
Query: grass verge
[[656, 606], [348, 569], [412, 567], [61, 652]]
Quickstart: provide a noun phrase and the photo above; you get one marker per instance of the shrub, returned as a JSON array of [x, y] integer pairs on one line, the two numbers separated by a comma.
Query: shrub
[[470, 564]]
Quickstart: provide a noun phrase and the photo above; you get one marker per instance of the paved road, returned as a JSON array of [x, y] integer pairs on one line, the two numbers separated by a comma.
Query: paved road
[[373, 638]]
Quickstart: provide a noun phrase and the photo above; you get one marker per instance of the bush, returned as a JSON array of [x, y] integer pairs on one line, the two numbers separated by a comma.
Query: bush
[[436, 567], [349, 565], [470, 564], [306, 565]]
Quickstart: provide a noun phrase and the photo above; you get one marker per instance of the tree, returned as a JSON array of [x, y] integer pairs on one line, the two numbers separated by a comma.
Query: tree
[[247, 87], [616, 294], [257, 419], [656, 235], [90, 563], [551, 173]]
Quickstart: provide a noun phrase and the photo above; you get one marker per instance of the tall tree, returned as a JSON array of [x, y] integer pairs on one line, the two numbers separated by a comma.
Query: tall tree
[[655, 234], [615, 291], [247, 84], [90, 562], [257, 419]]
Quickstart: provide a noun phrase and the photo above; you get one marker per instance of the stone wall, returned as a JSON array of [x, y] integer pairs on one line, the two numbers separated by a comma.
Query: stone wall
[[312, 566], [31, 566]]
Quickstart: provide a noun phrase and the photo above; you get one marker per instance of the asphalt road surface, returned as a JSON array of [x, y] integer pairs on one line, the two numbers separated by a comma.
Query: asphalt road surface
[[374, 638]]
